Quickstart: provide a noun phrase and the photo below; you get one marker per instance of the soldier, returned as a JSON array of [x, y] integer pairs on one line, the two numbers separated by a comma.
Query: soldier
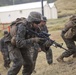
[[43, 26], [40, 47], [69, 36], [20, 44], [4, 51], [47, 50]]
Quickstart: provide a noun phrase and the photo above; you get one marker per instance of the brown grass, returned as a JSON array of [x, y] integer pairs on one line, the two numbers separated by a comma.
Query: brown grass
[[66, 7], [56, 68], [42, 68]]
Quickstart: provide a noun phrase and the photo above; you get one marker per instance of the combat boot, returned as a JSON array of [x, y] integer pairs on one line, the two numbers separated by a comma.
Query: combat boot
[[64, 54], [60, 59], [74, 55], [50, 61]]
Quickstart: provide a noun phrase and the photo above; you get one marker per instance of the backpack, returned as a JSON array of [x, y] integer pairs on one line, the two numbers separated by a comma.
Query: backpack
[[70, 33], [13, 29]]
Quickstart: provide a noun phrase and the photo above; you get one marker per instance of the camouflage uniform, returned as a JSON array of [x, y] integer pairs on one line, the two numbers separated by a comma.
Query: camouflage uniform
[[69, 36], [43, 26], [34, 53], [39, 46], [47, 50], [20, 53], [4, 51]]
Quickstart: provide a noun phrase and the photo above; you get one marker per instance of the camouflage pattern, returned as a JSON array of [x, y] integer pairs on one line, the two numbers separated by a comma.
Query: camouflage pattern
[[5, 53], [70, 42], [16, 58], [48, 52], [20, 53], [44, 48], [20, 57], [40, 47], [70, 30], [44, 18], [34, 16], [34, 53], [44, 28]]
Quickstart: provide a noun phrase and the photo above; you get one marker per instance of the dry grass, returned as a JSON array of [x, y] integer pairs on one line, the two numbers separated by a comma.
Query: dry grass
[[66, 7], [57, 24], [42, 68]]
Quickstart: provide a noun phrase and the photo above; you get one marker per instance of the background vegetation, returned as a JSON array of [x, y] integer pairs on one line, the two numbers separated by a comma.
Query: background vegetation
[[66, 7]]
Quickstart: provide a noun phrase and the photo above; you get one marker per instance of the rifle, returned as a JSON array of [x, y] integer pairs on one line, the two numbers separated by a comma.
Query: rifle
[[46, 36]]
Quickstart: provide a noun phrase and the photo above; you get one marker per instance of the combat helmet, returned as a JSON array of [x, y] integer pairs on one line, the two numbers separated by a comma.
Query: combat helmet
[[44, 18], [34, 17]]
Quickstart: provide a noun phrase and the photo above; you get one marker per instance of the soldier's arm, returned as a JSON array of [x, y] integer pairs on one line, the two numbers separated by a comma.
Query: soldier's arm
[[20, 36], [21, 41]]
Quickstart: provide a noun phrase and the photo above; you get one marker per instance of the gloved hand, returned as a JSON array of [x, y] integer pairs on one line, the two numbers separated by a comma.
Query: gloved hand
[[48, 43], [37, 39]]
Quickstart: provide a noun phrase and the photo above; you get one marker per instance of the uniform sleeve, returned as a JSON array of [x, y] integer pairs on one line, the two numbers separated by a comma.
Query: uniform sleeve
[[21, 41]]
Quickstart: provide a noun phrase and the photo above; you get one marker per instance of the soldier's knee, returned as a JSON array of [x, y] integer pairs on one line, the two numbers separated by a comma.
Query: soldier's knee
[[67, 53], [71, 48], [20, 63], [31, 65]]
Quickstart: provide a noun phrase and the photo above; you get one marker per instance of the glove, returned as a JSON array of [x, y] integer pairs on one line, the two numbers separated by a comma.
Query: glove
[[37, 39], [48, 43]]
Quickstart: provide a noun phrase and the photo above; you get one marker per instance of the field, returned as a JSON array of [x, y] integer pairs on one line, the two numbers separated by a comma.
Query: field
[[65, 8], [42, 68]]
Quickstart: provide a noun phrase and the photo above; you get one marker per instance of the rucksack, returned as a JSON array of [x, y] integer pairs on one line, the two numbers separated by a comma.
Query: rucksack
[[71, 31], [13, 29]]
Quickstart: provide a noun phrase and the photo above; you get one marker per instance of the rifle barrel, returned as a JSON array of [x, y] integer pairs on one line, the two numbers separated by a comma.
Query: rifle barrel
[[47, 38]]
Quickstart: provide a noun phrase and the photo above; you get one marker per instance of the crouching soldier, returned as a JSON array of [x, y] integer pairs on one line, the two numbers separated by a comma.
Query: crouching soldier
[[38, 47], [69, 36]]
